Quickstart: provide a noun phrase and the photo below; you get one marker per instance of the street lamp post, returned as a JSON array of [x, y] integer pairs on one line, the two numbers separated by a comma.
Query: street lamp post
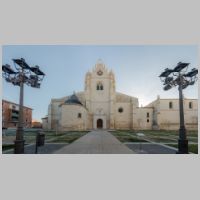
[[23, 73], [19, 142], [179, 77], [182, 142]]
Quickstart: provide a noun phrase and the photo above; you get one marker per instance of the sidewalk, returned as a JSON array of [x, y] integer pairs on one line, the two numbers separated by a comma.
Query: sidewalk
[[95, 142]]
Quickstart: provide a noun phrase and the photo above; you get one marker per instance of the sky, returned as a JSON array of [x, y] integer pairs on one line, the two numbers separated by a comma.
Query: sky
[[136, 69]]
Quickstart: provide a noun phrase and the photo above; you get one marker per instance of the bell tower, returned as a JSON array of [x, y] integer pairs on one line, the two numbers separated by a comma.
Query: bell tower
[[100, 94]]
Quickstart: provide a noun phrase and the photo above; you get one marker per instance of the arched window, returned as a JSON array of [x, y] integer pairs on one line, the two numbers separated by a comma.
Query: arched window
[[190, 105], [99, 86], [170, 105]]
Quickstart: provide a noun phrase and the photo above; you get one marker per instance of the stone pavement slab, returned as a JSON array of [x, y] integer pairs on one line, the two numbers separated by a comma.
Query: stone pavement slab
[[48, 148], [95, 142], [151, 148]]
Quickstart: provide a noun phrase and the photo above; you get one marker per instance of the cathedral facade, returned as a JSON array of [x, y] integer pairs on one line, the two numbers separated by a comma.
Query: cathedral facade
[[99, 106]]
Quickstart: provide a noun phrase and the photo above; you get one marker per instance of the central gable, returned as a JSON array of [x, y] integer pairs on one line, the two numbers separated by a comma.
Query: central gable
[[100, 70]]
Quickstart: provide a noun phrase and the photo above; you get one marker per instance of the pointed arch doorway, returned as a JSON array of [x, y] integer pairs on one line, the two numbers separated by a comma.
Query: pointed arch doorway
[[99, 123]]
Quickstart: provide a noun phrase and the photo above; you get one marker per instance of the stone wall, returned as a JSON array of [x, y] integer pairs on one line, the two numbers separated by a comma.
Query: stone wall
[[168, 114], [143, 118], [123, 115], [73, 117]]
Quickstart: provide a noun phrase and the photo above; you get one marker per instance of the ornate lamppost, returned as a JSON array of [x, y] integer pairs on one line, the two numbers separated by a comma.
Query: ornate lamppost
[[23, 73], [179, 77]]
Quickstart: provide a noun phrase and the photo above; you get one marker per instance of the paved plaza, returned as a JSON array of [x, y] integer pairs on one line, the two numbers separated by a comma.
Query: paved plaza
[[96, 142], [100, 142]]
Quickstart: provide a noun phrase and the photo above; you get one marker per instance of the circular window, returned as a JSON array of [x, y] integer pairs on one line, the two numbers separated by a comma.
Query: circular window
[[100, 73], [120, 110]]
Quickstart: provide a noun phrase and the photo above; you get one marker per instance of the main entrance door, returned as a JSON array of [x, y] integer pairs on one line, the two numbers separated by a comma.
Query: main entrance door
[[99, 123]]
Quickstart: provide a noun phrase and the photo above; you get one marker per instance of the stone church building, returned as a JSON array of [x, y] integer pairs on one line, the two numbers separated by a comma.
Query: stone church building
[[100, 106]]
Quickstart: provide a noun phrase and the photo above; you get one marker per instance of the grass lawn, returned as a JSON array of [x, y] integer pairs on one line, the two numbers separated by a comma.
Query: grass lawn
[[167, 133], [161, 139], [30, 136], [7, 147], [62, 137], [50, 136], [191, 147], [169, 136], [69, 137], [126, 136], [158, 136], [192, 139]]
